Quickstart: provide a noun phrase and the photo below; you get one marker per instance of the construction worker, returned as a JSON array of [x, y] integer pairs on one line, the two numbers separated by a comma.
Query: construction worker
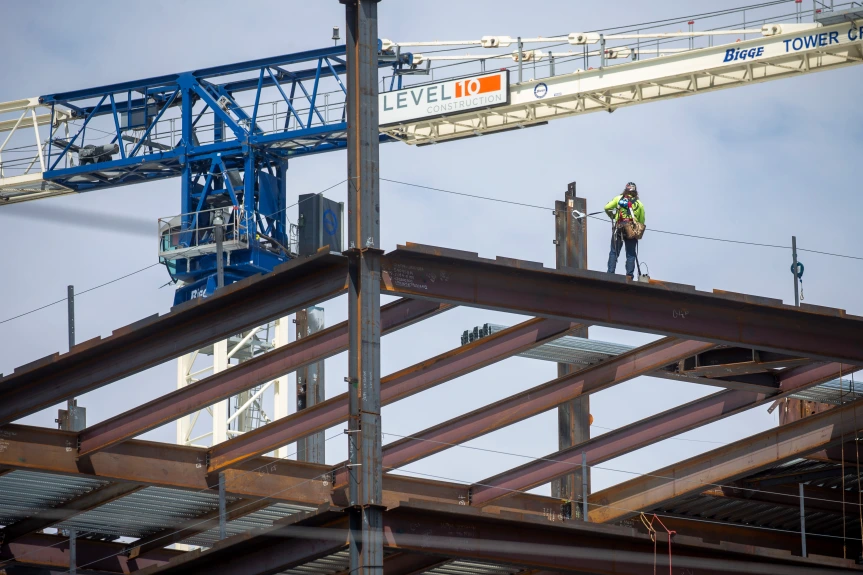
[[622, 209]]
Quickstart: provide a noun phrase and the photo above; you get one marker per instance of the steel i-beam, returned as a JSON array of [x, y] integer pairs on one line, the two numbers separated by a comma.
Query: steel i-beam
[[396, 386], [727, 463], [643, 433], [364, 294], [246, 375]]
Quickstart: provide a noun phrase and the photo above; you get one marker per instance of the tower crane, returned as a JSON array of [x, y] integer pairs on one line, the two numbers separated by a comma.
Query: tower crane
[[228, 131]]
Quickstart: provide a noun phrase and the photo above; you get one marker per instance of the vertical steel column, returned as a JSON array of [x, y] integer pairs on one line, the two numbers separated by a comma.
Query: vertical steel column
[[70, 307], [573, 417], [364, 381], [73, 552], [794, 270], [585, 513], [310, 386], [802, 524], [73, 418]]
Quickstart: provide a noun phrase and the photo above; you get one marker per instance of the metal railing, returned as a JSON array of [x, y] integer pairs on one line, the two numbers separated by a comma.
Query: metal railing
[[194, 234]]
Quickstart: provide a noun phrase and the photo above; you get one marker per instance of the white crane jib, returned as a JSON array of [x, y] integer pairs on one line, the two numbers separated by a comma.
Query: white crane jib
[[414, 114]]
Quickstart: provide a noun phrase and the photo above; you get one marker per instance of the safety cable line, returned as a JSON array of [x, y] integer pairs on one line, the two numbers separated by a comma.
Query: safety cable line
[[595, 466], [208, 488], [82, 292], [603, 220]]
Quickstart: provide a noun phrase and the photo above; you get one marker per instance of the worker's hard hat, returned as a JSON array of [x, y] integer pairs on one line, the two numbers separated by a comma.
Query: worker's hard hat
[[630, 187]]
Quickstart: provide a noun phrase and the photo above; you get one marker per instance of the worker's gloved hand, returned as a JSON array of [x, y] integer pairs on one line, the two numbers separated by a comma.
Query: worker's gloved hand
[[623, 203]]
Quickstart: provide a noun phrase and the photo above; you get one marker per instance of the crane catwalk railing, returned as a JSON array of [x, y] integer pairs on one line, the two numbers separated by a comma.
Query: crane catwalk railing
[[606, 89]]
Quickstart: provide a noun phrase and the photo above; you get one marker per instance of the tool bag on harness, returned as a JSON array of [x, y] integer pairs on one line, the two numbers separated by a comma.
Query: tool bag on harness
[[630, 228]]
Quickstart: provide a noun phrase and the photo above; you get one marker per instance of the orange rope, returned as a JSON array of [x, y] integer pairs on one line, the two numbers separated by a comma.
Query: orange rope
[[652, 532]]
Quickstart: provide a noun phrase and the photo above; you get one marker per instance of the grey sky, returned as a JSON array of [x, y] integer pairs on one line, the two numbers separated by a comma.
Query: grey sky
[[758, 163]]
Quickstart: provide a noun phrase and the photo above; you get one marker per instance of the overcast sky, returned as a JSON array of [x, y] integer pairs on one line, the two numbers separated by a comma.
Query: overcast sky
[[759, 164]]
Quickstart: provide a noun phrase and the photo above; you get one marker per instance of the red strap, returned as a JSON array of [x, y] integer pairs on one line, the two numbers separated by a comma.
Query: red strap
[[670, 534]]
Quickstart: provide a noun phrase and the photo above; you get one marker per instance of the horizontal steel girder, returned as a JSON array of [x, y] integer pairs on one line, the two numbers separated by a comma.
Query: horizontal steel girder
[[297, 539], [520, 406], [92, 364], [184, 467], [643, 433], [789, 541], [726, 464], [461, 533], [53, 551], [396, 386], [410, 563], [246, 375], [578, 547], [604, 299]]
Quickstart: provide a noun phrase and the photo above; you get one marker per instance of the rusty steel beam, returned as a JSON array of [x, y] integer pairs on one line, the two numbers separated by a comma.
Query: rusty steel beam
[[294, 285], [162, 464], [816, 499], [745, 368], [456, 532], [195, 526], [716, 532], [639, 361], [407, 564], [290, 542], [76, 506], [245, 375], [604, 299], [726, 464], [733, 361], [17, 569], [184, 467], [404, 383], [641, 434], [40, 550], [578, 547], [411, 563], [365, 551]]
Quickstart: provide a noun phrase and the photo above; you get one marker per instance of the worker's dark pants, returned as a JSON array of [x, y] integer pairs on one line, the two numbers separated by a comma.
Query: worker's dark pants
[[618, 242]]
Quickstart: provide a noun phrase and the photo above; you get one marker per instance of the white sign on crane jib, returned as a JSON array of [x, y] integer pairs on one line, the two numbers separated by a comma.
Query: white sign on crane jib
[[444, 98]]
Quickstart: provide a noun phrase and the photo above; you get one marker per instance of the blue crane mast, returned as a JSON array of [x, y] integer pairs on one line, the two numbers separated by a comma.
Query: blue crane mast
[[228, 133]]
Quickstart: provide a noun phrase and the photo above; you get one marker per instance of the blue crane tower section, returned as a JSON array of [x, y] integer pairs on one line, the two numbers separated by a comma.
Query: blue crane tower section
[[228, 133]]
